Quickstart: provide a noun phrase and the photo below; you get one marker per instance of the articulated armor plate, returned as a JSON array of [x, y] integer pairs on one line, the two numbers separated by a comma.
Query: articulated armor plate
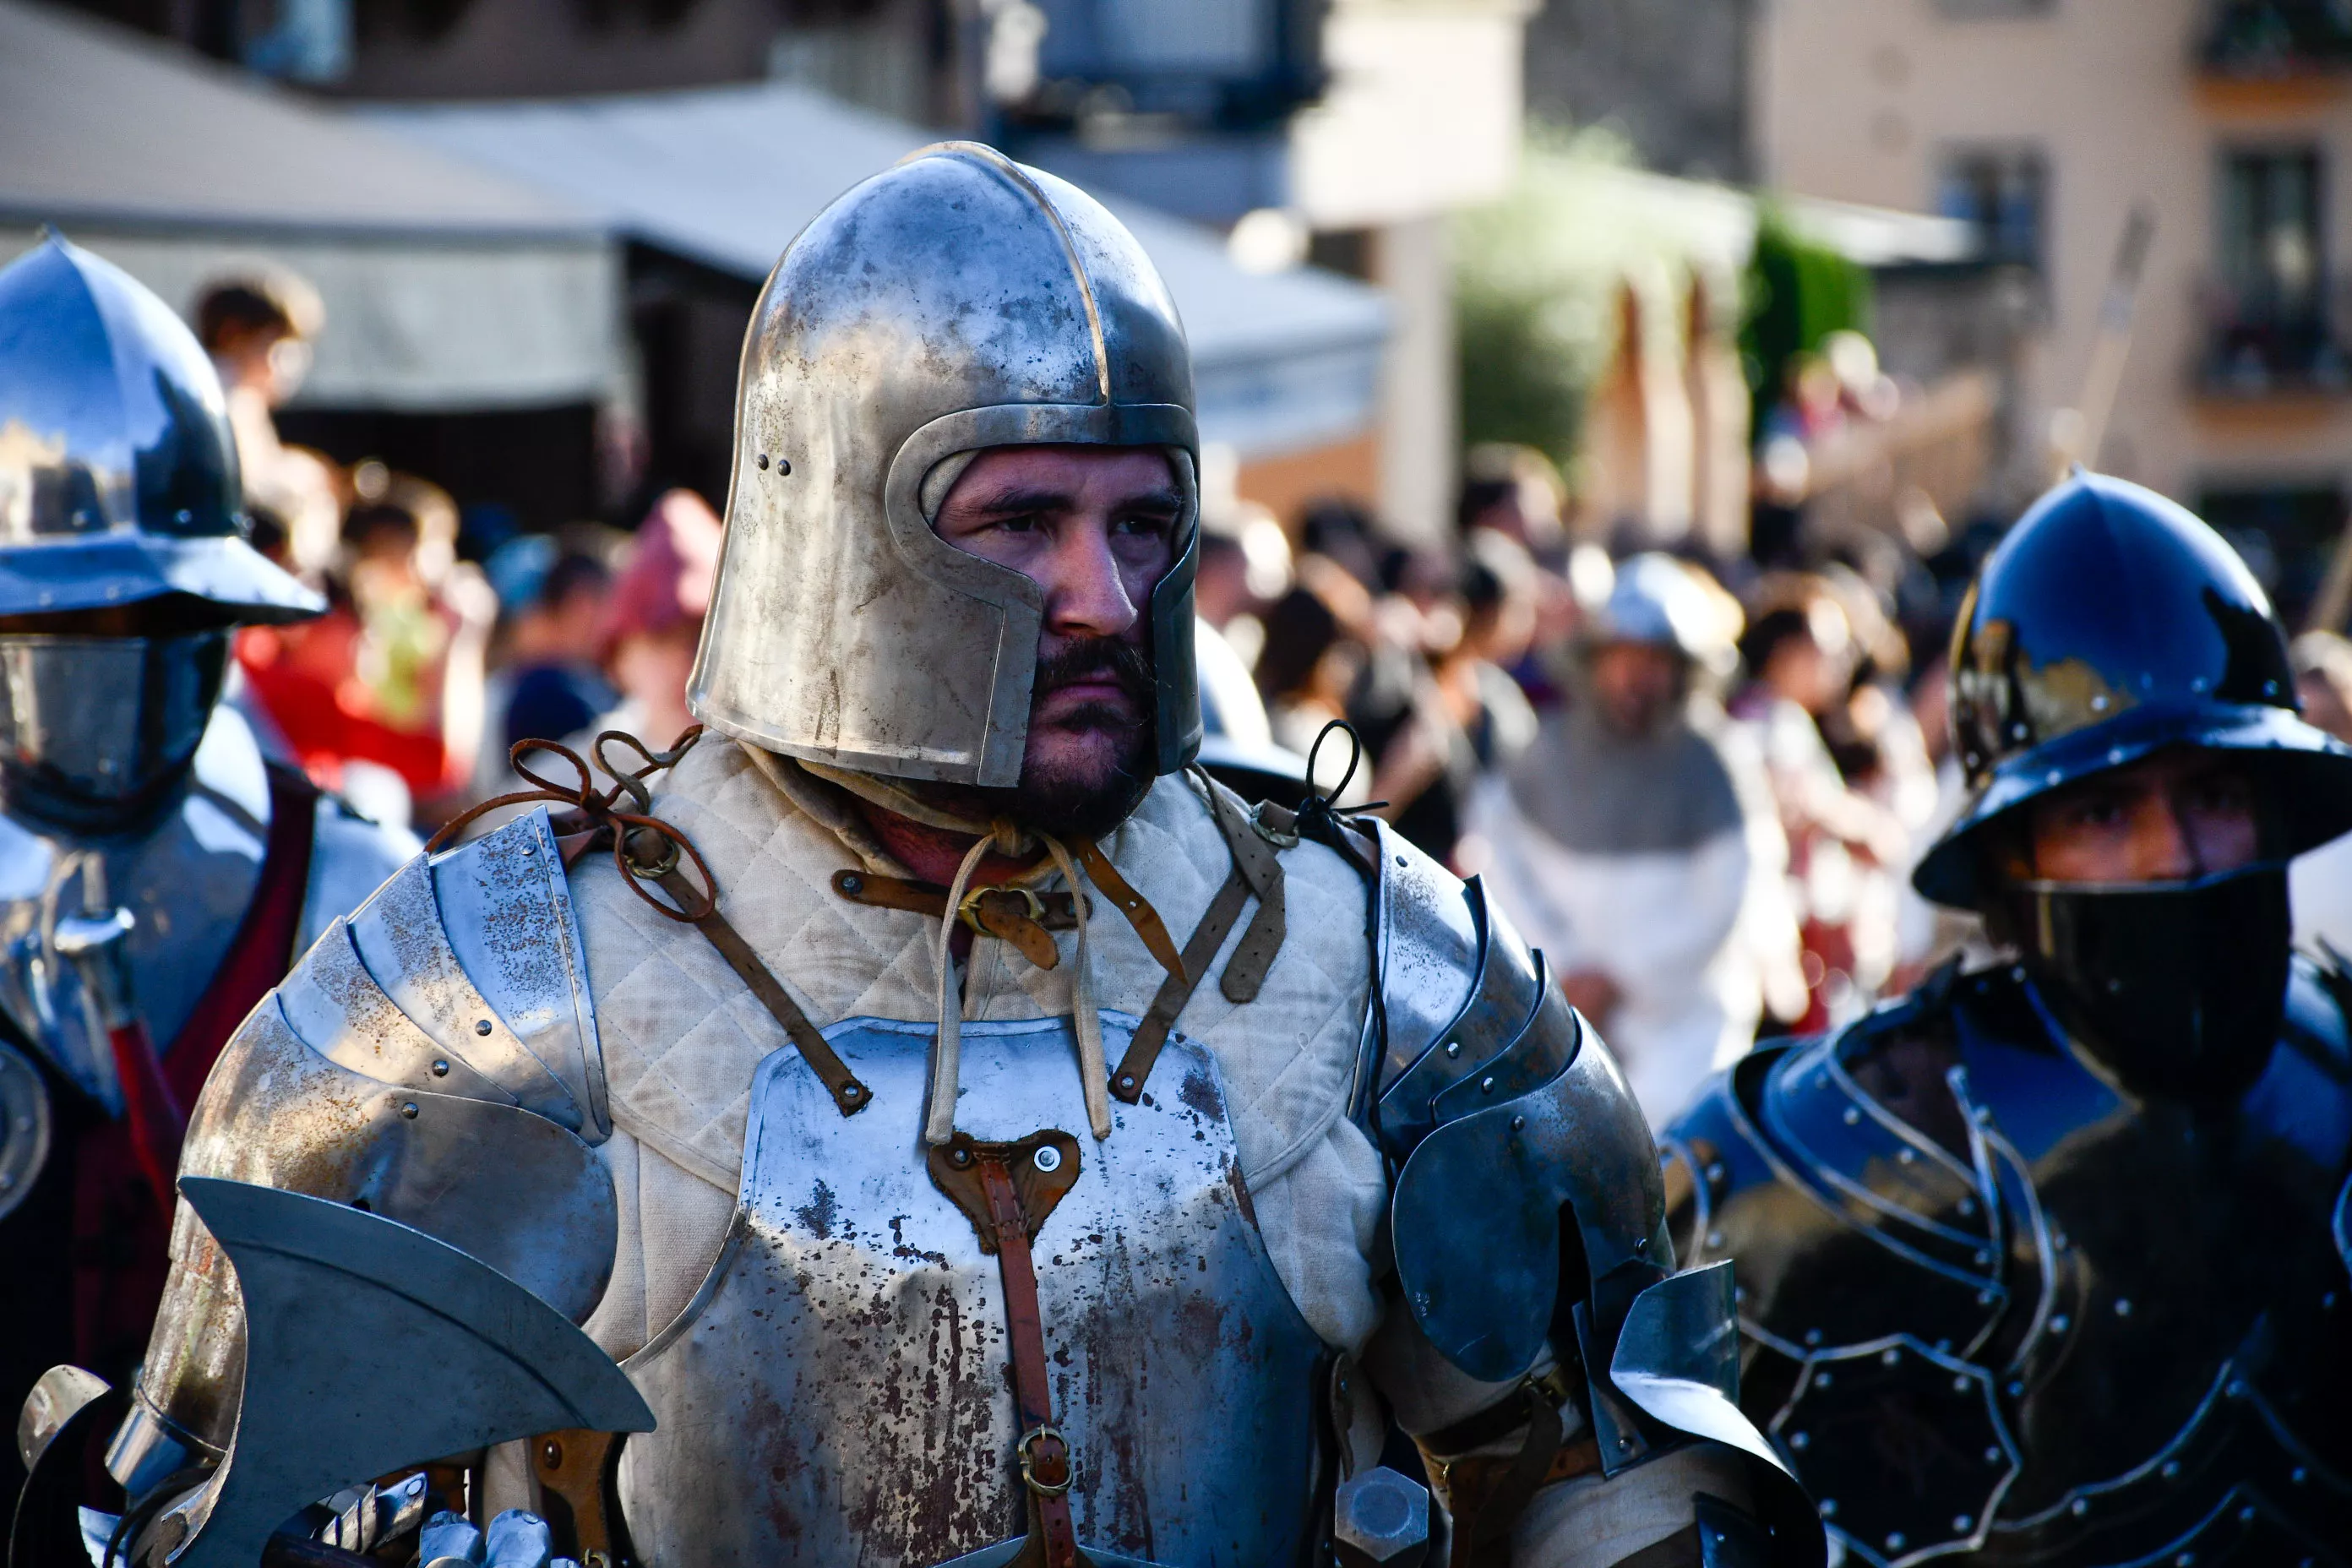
[[853, 1298], [432, 1059], [1505, 1119], [1992, 1306]]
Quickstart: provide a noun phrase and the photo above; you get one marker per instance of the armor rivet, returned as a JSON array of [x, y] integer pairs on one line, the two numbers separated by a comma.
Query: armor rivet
[[1895, 1542], [1486, 1084], [763, 461], [2171, 1468], [1890, 1358], [2300, 1476], [1715, 1238], [784, 468], [1968, 1205], [440, 1070], [853, 884], [551, 1455], [1453, 1047], [960, 1158], [1127, 1081], [1852, 1116], [2079, 1507], [408, 1109], [1962, 1524], [1798, 1439], [1907, 1156], [481, 1026], [2114, 753], [1047, 1157], [2099, 703], [1984, 1298], [1714, 1171], [1984, 1260], [2061, 1324], [1994, 1456], [1829, 1508], [2185, 1560], [852, 1091], [1960, 1385], [1823, 1380], [2123, 1307], [2246, 1515], [2237, 1388], [1519, 1122], [1813, 1336]]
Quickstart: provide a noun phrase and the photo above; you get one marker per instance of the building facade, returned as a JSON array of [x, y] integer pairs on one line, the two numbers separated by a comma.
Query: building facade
[[2047, 124]]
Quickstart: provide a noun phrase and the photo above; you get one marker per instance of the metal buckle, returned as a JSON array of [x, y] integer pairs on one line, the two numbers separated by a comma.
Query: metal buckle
[[1028, 1477], [968, 910]]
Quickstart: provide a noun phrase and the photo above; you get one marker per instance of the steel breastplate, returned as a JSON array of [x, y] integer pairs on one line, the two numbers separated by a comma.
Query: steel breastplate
[[187, 882], [838, 1389]]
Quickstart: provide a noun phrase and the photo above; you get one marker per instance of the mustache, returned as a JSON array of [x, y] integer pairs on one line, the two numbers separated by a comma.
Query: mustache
[[1121, 663]]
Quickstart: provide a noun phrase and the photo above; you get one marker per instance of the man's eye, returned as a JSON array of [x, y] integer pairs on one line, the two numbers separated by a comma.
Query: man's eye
[[1024, 523]]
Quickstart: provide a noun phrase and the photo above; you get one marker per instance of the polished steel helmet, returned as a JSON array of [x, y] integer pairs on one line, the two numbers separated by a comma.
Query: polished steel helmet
[[118, 491], [955, 302], [117, 473], [2110, 624]]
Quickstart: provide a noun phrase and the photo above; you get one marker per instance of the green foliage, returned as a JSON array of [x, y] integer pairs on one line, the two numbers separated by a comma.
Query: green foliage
[[1797, 292]]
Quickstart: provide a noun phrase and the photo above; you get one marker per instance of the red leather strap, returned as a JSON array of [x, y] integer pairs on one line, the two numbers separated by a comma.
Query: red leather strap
[[121, 1235]]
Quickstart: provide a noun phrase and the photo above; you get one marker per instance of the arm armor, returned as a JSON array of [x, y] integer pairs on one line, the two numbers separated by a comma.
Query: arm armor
[[1528, 1207], [432, 1059]]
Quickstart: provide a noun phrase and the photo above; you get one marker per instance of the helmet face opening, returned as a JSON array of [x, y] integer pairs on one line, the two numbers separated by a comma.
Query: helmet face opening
[[954, 304], [94, 730], [2109, 625]]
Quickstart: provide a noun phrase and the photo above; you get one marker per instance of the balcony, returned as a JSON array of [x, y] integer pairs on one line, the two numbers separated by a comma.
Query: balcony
[[2271, 41], [2260, 343]]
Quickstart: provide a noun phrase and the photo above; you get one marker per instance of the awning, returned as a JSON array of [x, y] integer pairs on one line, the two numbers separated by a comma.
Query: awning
[[727, 176], [446, 286]]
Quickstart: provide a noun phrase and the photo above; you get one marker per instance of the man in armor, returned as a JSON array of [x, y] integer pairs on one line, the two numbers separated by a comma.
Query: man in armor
[[985, 1139], [157, 876], [2042, 1265]]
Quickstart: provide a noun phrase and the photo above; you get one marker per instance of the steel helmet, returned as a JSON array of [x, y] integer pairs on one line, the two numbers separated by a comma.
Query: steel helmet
[[117, 473], [954, 302], [119, 490], [2110, 624]]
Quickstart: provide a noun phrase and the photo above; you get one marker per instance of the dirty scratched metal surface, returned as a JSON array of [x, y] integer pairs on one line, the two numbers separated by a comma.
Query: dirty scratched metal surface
[[839, 1393]]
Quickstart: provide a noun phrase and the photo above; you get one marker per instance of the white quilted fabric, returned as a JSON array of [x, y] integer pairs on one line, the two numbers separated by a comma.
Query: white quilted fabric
[[681, 1033]]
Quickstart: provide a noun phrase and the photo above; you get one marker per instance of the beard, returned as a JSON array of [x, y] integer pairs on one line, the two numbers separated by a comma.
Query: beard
[[1075, 798]]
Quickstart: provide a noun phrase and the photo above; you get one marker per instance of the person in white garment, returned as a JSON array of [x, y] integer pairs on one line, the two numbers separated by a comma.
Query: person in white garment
[[983, 1138], [1636, 846]]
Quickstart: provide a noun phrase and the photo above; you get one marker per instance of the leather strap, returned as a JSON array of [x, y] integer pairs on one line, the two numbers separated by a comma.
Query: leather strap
[[1017, 915], [1257, 870], [1487, 1497], [1000, 1171], [1132, 904], [1134, 1069], [849, 1095]]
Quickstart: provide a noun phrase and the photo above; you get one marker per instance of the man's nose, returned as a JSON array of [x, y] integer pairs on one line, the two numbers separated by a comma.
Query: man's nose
[[2167, 847], [1085, 596]]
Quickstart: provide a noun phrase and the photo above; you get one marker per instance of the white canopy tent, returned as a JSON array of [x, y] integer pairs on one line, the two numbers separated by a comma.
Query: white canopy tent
[[727, 176], [447, 287]]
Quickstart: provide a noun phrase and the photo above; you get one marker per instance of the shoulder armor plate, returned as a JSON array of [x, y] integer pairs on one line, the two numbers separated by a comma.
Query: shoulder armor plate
[[432, 1060]]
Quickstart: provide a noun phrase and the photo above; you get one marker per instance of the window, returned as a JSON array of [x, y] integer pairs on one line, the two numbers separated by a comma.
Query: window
[[2000, 192], [2270, 311]]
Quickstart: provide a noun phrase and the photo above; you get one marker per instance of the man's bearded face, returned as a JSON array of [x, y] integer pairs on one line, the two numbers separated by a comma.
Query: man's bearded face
[[1095, 528]]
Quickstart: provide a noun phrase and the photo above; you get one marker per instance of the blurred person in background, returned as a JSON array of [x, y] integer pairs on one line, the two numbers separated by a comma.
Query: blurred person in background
[[2321, 881], [652, 620], [158, 874], [382, 696], [1635, 848], [544, 682], [2042, 1265], [259, 328], [1801, 659]]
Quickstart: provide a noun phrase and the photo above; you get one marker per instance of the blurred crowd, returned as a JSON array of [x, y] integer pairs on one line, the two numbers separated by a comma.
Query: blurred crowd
[[408, 695], [1697, 785]]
